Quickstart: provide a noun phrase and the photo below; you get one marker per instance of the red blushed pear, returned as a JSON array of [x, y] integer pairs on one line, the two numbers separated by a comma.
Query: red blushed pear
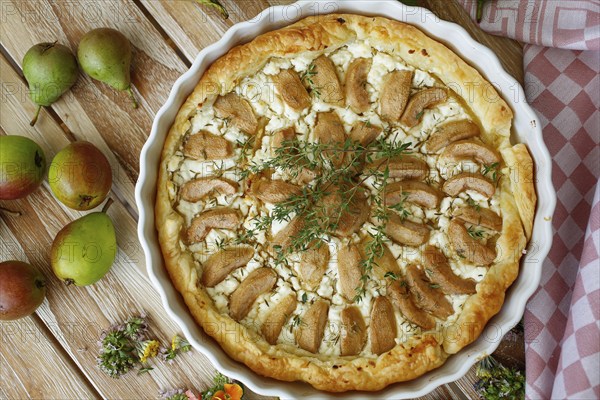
[[80, 176], [22, 290], [22, 167]]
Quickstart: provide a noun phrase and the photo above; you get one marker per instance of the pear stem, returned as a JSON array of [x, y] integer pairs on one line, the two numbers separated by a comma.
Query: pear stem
[[35, 117], [133, 99], [108, 203], [11, 212], [69, 281]]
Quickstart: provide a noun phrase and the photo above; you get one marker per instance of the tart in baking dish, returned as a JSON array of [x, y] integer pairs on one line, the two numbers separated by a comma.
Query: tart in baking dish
[[339, 202]]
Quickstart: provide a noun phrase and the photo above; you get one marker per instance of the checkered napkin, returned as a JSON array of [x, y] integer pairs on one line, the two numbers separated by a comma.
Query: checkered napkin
[[562, 62]]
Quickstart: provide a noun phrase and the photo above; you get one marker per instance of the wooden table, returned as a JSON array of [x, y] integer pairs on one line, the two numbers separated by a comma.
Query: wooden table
[[52, 353]]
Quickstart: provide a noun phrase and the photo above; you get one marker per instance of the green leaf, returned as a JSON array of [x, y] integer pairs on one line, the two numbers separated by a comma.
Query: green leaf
[[215, 4], [413, 3]]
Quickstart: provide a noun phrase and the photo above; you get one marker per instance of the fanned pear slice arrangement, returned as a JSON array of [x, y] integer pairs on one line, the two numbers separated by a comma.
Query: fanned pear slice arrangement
[[337, 203]]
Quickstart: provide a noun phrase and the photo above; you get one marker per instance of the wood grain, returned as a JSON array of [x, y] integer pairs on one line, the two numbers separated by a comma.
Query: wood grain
[[31, 363], [166, 36], [76, 316]]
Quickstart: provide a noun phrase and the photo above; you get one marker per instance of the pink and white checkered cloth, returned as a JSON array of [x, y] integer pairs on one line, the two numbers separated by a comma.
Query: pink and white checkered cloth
[[562, 66]]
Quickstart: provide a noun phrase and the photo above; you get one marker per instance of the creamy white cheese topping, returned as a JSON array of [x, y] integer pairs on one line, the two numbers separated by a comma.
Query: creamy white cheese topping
[[260, 91]]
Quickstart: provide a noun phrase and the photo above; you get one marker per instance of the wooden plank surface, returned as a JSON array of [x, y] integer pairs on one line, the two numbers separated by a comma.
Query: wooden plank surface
[[166, 36]]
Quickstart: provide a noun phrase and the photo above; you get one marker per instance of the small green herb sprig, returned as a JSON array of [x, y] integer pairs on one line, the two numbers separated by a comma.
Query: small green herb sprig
[[475, 233], [307, 77], [498, 382], [124, 347], [215, 4], [491, 169], [344, 182]]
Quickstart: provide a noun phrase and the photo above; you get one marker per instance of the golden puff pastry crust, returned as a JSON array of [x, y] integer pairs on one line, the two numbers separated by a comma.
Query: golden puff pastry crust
[[412, 355]]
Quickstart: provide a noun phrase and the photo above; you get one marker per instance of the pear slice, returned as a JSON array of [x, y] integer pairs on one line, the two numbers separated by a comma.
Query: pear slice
[[400, 296], [420, 101], [427, 295], [281, 136], [403, 167], [206, 146], [313, 264], [382, 329], [468, 247], [238, 111], [469, 181], [394, 95], [274, 191], [354, 331], [223, 262], [290, 88], [364, 133], [471, 150], [277, 317], [415, 192], [405, 232], [329, 130], [196, 189], [258, 282], [312, 326], [349, 270], [480, 216], [357, 96], [220, 218], [326, 81], [439, 272], [451, 132], [283, 238]]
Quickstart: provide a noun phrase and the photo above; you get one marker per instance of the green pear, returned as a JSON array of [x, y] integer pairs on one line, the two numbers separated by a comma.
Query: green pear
[[84, 250], [50, 69], [105, 55]]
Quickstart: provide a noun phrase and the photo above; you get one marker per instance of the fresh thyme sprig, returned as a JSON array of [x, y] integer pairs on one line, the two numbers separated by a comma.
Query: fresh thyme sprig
[[125, 346], [307, 77], [493, 169], [475, 233], [342, 183]]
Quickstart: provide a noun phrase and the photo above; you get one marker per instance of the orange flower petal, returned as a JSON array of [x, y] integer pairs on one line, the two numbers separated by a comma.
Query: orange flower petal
[[220, 395], [234, 390]]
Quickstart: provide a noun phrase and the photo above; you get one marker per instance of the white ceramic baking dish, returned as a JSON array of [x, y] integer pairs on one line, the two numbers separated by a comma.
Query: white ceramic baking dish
[[526, 129]]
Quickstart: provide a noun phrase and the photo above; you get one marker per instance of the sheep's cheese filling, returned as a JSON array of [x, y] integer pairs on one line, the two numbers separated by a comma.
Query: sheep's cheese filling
[[267, 103]]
